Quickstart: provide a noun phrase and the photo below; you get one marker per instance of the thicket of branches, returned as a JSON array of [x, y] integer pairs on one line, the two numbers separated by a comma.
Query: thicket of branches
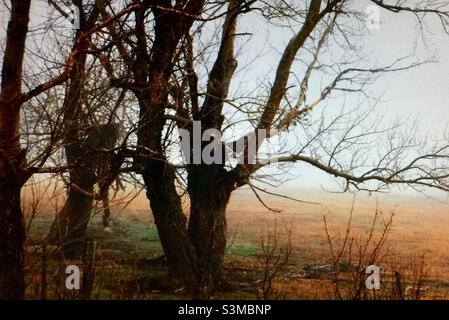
[[101, 107]]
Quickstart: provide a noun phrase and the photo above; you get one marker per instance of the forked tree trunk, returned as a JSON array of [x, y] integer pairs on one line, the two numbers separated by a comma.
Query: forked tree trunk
[[195, 253]]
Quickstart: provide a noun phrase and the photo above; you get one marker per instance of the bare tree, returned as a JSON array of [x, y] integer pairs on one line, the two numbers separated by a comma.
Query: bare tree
[[13, 161], [276, 252], [355, 253], [14, 169], [80, 134], [162, 49]]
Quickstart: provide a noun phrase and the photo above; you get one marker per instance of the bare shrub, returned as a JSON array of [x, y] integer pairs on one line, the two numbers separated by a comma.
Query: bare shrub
[[276, 250], [410, 279], [355, 252]]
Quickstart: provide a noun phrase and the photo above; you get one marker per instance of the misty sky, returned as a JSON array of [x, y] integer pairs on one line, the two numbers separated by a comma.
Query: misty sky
[[421, 93]]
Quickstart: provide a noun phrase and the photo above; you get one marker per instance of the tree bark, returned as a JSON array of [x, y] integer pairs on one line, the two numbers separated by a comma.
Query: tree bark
[[209, 195], [12, 237], [70, 224], [12, 157], [170, 219]]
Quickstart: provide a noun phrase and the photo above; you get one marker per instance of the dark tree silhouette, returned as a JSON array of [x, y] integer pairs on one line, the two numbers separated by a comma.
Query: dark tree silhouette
[[12, 157]]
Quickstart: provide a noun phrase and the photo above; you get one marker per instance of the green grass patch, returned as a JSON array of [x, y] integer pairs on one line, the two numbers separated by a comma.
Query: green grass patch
[[140, 233], [243, 250], [39, 226]]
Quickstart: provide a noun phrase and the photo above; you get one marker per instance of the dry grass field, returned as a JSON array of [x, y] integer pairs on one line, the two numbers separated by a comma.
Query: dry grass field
[[270, 255], [420, 231]]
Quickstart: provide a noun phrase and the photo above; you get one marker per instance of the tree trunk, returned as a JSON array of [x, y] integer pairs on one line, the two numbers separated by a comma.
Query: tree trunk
[[169, 218], [12, 157], [96, 167], [196, 254], [12, 237], [209, 195], [152, 78], [70, 224]]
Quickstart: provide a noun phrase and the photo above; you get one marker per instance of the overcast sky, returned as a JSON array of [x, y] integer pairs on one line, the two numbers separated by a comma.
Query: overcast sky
[[420, 93]]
